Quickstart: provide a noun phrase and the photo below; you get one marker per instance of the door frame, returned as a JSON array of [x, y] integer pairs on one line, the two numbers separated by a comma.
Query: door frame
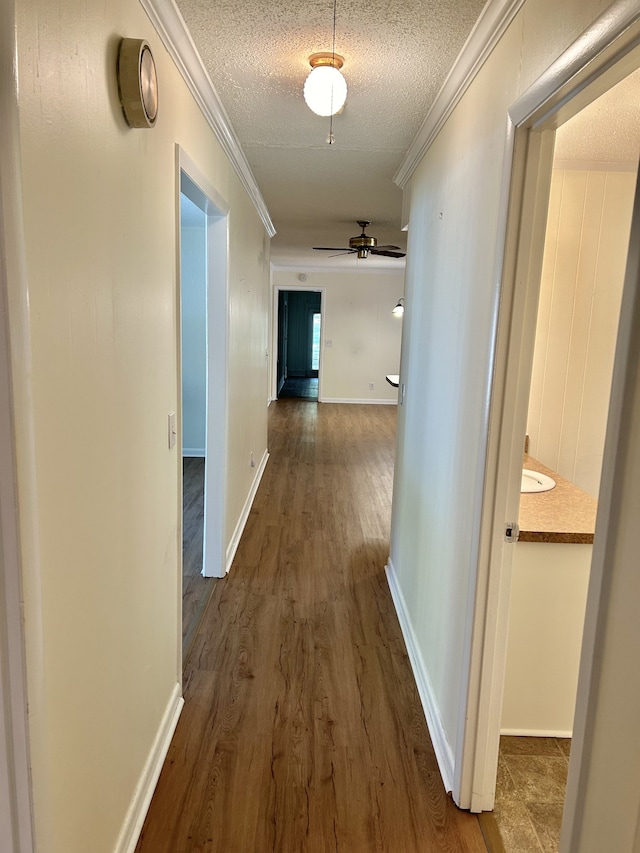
[[603, 55], [17, 551], [204, 195], [274, 333]]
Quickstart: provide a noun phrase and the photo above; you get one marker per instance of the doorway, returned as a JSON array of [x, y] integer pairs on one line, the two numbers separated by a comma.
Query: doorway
[[203, 308], [582, 275], [196, 588], [299, 330]]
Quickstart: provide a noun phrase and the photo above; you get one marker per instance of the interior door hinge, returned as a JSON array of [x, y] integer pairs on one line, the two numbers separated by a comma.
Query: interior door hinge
[[511, 531]]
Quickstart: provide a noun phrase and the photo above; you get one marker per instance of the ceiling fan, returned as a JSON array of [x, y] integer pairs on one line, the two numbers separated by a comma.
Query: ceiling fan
[[363, 245]]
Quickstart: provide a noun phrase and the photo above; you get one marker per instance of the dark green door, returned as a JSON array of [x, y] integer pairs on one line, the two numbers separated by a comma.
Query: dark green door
[[303, 319]]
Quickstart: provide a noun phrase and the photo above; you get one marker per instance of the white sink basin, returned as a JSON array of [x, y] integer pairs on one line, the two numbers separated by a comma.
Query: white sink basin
[[534, 481]]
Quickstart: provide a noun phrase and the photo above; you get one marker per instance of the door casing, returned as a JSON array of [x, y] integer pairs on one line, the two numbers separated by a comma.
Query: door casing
[[18, 537]]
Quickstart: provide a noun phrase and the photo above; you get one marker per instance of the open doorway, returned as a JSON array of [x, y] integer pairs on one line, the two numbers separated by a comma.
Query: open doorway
[[193, 335], [593, 180], [203, 381], [299, 329]]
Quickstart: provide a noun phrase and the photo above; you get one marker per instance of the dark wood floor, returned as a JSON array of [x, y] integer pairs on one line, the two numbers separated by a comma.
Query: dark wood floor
[[302, 729], [195, 589]]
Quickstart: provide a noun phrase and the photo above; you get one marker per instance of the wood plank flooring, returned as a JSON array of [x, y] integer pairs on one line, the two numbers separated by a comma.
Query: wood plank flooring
[[195, 589], [302, 729]]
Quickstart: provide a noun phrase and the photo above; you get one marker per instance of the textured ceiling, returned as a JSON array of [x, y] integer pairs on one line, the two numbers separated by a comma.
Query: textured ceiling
[[397, 55]]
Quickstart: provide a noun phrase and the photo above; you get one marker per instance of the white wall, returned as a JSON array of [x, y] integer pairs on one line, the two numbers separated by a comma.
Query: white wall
[[102, 602], [193, 291], [365, 336], [581, 287], [452, 263]]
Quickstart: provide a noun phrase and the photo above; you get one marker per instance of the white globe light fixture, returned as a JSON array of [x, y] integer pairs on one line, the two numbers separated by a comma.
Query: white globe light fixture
[[325, 89]]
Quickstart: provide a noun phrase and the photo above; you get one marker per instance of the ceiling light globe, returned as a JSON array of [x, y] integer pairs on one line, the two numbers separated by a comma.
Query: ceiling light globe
[[325, 90]]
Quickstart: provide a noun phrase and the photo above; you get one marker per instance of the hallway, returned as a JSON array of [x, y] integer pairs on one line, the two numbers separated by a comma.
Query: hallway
[[302, 728]]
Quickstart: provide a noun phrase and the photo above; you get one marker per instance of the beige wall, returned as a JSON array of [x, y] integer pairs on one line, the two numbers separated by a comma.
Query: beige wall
[[546, 620], [365, 336], [581, 287], [100, 208], [454, 246]]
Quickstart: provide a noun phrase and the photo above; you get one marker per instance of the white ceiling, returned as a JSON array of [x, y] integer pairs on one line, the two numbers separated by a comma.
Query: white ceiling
[[397, 55]]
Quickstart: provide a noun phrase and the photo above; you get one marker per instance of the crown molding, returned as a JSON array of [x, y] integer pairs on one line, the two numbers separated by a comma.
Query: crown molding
[[489, 29], [172, 29]]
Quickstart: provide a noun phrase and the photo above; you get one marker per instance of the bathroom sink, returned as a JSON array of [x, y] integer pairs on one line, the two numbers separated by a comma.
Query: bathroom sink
[[534, 481]]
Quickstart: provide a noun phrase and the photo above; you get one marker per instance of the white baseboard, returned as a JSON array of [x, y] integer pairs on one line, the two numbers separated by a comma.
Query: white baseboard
[[198, 452], [362, 402], [246, 509], [536, 733], [442, 747], [139, 806]]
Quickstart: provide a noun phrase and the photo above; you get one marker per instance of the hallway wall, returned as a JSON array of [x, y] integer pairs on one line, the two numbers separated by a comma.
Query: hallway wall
[[452, 269], [102, 581]]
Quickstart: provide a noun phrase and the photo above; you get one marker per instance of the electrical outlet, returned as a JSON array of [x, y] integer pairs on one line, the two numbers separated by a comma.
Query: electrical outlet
[[372, 386], [252, 461], [328, 343]]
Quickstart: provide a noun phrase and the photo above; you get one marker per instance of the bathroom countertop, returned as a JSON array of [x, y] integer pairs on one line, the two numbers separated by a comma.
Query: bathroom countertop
[[563, 514]]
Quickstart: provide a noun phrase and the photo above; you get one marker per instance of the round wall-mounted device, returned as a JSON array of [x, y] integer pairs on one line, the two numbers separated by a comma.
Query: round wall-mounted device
[[137, 83]]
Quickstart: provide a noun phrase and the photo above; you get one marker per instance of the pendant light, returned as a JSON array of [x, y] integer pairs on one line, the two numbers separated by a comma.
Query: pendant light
[[325, 89]]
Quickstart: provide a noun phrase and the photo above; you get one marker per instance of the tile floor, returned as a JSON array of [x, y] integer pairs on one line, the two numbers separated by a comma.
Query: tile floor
[[530, 790], [306, 389]]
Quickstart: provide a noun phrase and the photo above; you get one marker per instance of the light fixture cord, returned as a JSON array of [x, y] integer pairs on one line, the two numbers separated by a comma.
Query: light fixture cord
[[331, 139], [333, 49]]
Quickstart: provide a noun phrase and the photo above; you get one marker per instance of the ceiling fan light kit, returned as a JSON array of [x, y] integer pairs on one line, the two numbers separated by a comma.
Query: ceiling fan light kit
[[363, 245], [325, 89]]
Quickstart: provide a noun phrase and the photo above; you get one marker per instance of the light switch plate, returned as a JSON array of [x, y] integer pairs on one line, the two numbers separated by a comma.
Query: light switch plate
[[173, 430]]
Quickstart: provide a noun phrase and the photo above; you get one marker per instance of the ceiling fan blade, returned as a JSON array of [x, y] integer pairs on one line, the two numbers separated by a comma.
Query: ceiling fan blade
[[387, 254], [345, 252], [331, 249], [389, 248]]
